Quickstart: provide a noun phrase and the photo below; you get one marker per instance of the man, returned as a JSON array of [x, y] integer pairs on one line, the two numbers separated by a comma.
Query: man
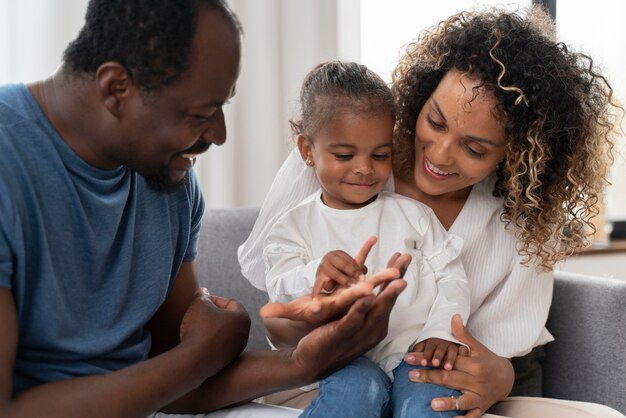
[[99, 220]]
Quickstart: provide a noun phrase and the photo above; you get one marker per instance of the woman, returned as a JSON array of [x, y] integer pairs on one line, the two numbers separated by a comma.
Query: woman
[[504, 133]]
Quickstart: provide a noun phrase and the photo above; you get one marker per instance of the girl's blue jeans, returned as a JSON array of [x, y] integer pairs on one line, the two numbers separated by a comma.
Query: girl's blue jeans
[[362, 389]]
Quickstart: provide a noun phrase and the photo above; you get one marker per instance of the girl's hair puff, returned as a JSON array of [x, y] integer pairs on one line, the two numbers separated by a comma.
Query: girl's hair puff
[[557, 110], [337, 87]]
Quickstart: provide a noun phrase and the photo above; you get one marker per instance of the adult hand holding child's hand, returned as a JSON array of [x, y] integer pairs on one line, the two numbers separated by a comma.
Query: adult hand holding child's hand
[[339, 283], [338, 269]]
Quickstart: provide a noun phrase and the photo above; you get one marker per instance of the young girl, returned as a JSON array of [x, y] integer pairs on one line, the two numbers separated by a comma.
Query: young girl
[[345, 138]]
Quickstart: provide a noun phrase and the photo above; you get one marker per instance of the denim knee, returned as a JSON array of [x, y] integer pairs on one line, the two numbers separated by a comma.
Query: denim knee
[[361, 389], [411, 400]]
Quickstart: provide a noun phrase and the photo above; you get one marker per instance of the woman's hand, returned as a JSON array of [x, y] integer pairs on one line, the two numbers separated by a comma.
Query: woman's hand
[[484, 377]]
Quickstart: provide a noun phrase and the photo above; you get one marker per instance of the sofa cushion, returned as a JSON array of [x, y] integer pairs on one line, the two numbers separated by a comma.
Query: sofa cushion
[[587, 360], [218, 268]]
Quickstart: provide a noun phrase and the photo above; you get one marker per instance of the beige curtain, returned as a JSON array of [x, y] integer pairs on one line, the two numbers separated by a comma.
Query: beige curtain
[[283, 40], [33, 35]]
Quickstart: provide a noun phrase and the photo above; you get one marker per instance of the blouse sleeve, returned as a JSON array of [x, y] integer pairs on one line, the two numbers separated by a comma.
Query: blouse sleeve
[[293, 182], [289, 264], [511, 320], [441, 254]]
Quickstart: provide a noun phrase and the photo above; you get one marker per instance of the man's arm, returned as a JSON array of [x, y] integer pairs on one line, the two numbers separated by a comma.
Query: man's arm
[[326, 349], [132, 392], [145, 387], [182, 372]]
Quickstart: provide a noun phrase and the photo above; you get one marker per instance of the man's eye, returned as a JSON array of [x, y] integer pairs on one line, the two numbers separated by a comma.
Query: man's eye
[[205, 116]]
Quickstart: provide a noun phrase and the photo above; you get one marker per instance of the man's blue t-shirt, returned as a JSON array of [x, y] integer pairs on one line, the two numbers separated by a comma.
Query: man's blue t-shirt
[[89, 254]]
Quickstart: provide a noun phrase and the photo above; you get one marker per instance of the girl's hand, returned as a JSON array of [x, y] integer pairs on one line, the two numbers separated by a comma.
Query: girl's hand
[[484, 377], [339, 269], [437, 352]]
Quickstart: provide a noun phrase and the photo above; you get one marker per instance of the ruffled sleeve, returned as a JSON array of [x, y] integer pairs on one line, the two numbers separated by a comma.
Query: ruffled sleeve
[[292, 184], [441, 254]]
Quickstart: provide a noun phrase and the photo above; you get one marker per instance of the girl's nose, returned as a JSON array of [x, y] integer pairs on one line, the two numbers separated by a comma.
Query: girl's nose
[[363, 166]]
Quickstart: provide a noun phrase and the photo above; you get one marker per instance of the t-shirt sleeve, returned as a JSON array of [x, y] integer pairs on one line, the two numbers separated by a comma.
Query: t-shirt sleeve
[[197, 211], [6, 254]]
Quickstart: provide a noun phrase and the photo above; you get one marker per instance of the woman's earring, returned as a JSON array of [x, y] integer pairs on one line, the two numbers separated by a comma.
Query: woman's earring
[[309, 162]]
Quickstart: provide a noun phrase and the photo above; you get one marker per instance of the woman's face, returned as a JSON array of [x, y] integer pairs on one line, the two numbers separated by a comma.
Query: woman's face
[[458, 139]]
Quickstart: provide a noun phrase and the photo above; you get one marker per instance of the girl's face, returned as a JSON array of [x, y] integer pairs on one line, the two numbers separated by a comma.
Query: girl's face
[[351, 156], [458, 140]]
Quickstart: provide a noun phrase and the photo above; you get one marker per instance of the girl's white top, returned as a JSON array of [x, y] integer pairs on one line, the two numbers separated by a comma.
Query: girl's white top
[[436, 283], [509, 303]]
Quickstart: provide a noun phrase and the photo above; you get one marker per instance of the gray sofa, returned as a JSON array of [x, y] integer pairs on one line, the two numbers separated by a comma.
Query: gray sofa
[[587, 362]]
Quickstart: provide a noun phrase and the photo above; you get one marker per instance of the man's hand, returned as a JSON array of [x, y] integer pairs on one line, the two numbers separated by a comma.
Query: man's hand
[[328, 307], [333, 345], [400, 261], [210, 319]]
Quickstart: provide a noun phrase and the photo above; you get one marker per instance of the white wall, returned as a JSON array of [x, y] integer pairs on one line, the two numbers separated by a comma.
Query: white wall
[[33, 35]]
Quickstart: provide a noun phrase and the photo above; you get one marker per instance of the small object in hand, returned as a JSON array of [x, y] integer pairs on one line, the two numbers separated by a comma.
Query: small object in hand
[[204, 294]]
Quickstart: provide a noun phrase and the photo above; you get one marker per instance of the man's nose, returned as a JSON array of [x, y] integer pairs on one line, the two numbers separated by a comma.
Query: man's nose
[[216, 132]]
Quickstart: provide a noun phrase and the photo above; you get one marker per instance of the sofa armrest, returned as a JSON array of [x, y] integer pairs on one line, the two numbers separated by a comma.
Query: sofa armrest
[[223, 230], [587, 360]]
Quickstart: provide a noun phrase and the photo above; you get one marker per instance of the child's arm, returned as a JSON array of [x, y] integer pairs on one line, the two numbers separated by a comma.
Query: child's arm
[[441, 261]]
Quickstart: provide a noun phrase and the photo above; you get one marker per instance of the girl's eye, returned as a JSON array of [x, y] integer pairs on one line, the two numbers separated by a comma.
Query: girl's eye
[[381, 156], [343, 157]]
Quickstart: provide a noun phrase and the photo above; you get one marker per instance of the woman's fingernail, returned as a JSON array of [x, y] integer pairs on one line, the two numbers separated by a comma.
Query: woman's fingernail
[[409, 357], [438, 404], [414, 374]]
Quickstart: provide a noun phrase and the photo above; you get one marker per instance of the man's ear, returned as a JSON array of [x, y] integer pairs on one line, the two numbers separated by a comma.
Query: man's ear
[[306, 149], [115, 86]]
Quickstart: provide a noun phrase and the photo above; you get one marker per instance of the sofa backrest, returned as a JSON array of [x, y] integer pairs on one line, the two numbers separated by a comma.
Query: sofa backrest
[[223, 230], [587, 359]]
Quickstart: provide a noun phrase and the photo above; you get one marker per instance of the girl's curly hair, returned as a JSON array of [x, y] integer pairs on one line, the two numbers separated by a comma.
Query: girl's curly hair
[[557, 112]]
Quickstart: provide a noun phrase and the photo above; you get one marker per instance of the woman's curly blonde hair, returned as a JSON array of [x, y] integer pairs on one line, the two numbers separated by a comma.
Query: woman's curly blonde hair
[[558, 115]]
